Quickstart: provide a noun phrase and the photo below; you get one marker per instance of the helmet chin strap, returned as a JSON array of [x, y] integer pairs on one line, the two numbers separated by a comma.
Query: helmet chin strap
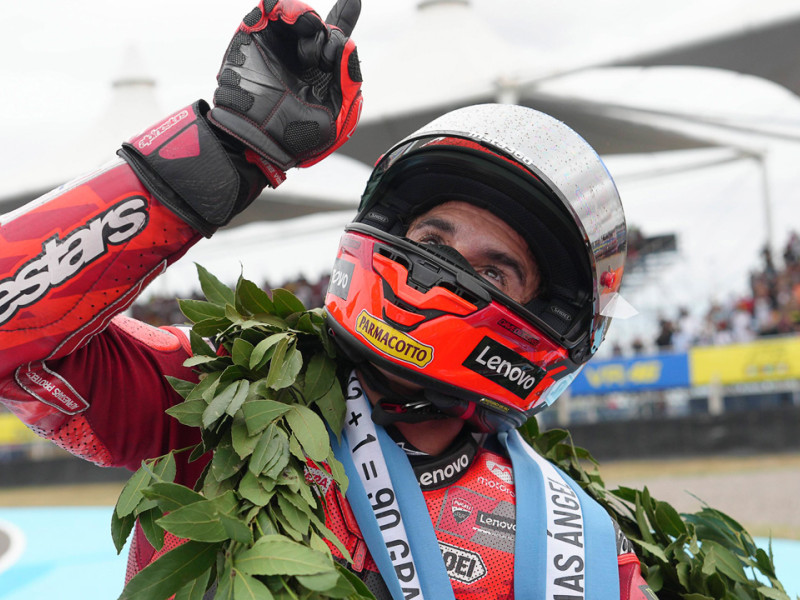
[[392, 407]]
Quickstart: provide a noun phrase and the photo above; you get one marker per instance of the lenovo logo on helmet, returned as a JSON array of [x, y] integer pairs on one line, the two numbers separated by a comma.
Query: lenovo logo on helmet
[[391, 342], [504, 367], [341, 278]]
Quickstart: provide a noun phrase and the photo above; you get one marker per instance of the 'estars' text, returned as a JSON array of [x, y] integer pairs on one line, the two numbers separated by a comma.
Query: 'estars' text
[[63, 258]]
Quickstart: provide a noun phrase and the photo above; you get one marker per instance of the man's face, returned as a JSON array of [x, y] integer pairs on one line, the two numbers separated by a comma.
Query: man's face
[[493, 248]]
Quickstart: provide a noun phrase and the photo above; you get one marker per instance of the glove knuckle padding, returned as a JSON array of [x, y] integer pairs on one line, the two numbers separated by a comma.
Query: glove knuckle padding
[[287, 85]]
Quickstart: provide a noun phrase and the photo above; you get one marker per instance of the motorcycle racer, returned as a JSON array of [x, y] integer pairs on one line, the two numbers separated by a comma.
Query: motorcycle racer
[[475, 292]]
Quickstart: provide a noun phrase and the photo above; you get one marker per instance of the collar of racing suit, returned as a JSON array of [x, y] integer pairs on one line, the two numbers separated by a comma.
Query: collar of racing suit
[[435, 472]]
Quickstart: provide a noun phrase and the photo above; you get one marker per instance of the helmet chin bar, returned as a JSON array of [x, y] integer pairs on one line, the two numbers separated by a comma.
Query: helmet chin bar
[[395, 408]]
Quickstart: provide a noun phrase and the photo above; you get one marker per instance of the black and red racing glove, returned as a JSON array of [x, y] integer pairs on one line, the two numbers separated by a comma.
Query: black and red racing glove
[[289, 94], [290, 84]]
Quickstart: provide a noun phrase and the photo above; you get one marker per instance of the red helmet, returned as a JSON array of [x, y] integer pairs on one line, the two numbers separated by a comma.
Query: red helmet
[[421, 312]]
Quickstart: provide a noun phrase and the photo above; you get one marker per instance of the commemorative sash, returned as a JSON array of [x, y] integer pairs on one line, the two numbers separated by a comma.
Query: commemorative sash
[[565, 544]]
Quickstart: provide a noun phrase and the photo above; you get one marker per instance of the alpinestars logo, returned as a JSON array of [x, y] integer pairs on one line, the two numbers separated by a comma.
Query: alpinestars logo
[[154, 134], [63, 258]]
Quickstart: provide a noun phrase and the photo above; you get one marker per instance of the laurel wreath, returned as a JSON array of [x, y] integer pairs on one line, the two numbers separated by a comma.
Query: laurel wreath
[[255, 527], [705, 555]]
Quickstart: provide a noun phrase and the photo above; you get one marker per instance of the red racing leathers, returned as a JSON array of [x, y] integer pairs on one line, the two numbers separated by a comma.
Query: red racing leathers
[[92, 381]]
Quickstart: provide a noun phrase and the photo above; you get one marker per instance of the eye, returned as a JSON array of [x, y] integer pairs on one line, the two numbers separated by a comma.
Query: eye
[[494, 275], [430, 238]]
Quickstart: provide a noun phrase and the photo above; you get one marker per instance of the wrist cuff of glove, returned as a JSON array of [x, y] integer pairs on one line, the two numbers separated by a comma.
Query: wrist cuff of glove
[[192, 171]]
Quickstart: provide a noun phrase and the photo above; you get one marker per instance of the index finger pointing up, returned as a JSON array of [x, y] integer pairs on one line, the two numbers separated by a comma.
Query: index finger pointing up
[[344, 15]]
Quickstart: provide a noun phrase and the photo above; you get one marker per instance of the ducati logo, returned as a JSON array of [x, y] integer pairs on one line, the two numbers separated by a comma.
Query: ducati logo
[[502, 472], [461, 510]]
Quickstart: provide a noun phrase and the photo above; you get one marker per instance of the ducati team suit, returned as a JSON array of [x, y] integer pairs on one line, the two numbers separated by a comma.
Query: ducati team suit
[[77, 372]]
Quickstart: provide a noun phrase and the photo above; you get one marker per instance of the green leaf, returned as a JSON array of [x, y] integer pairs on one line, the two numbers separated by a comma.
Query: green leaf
[[131, 494], [200, 346], [280, 458], [276, 365], [171, 572], [641, 520], [296, 449], [251, 490], [199, 360], [226, 462], [259, 356], [337, 472], [239, 397], [219, 405], [242, 441], [215, 291], [310, 432], [361, 590], [199, 310], [330, 536], [653, 549], [298, 519], [198, 522], [188, 412], [236, 529], [764, 562], [246, 587], [252, 298], [319, 583], [719, 558], [153, 533], [121, 528], [171, 496], [259, 414], [211, 327], [772, 593], [669, 520], [194, 589], [332, 408], [181, 386], [320, 376], [204, 386], [241, 352], [286, 303], [266, 450], [282, 377], [278, 555], [232, 374]]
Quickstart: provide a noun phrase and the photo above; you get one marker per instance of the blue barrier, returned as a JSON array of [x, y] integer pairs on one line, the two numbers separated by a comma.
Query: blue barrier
[[642, 373], [67, 554]]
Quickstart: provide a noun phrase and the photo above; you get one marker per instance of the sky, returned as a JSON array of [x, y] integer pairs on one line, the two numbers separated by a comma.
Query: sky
[[57, 60]]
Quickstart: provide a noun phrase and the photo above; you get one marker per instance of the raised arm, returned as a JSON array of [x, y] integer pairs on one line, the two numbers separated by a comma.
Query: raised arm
[[288, 95]]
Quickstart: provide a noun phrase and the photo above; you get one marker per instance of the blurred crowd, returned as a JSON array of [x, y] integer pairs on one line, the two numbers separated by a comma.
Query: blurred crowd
[[159, 310], [772, 307]]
